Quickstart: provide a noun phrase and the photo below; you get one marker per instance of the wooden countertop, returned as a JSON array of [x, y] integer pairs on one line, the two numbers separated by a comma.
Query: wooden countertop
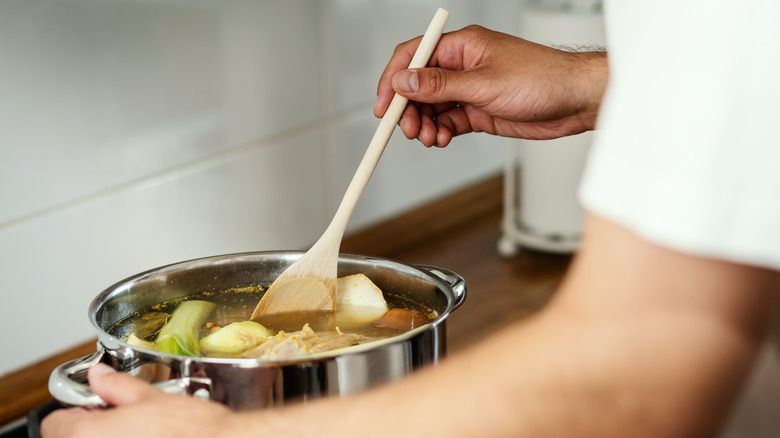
[[459, 232]]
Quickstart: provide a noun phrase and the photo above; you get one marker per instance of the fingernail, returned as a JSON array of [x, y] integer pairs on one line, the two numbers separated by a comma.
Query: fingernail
[[406, 80], [101, 369]]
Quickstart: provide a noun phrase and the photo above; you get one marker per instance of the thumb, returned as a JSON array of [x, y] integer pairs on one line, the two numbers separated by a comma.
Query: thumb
[[433, 85], [115, 388]]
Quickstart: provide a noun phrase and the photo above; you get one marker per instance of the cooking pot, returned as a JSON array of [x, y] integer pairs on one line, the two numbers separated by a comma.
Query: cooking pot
[[243, 383]]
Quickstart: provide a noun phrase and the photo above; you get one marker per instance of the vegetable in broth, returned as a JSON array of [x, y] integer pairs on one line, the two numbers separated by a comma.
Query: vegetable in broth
[[216, 324], [180, 334]]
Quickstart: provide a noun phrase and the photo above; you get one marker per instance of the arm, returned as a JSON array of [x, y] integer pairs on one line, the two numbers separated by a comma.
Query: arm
[[640, 340], [486, 81]]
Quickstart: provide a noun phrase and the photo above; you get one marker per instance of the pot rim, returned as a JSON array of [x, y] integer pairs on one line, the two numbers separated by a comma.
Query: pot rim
[[453, 302]]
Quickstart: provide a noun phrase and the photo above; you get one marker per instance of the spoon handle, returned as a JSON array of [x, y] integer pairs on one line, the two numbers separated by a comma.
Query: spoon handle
[[386, 126]]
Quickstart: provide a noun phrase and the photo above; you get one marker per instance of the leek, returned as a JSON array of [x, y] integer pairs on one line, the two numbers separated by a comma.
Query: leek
[[180, 335]]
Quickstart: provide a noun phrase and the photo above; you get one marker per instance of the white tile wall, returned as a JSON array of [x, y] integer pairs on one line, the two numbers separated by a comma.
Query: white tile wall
[[139, 133]]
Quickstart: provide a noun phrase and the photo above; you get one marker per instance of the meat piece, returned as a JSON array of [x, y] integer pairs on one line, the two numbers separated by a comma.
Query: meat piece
[[301, 343]]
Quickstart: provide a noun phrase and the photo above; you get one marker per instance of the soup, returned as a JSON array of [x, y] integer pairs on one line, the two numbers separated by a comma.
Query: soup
[[217, 324]]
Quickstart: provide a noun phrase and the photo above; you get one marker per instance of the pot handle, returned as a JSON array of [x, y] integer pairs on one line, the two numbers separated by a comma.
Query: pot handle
[[68, 391], [456, 282]]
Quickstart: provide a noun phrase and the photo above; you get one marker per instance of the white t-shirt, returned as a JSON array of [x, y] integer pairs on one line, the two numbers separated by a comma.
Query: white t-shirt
[[687, 154]]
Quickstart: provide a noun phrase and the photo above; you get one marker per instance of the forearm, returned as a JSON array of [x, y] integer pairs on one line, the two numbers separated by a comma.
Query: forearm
[[550, 378], [542, 378], [603, 358]]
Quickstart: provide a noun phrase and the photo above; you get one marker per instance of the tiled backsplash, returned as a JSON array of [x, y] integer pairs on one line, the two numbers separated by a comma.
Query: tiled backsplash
[[140, 133]]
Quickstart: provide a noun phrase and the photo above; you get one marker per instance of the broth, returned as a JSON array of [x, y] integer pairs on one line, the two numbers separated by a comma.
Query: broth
[[237, 305]]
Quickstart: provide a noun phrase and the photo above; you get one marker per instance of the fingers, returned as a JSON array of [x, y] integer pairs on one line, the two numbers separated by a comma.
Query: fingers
[[115, 388], [435, 125], [436, 85], [427, 135], [410, 120], [63, 423], [443, 87], [447, 54]]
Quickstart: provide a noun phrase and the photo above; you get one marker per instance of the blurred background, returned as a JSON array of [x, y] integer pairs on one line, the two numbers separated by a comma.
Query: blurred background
[[137, 133]]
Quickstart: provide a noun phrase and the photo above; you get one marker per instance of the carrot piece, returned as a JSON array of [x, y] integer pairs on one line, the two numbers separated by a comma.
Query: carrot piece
[[401, 319]]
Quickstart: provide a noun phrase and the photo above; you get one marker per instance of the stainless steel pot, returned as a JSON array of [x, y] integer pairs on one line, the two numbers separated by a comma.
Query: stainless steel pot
[[251, 383]]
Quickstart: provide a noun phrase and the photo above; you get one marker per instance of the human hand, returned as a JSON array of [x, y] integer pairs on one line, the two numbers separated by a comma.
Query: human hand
[[138, 409], [486, 81]]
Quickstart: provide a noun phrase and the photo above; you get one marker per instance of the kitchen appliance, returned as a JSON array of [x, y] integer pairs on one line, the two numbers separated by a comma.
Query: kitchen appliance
[[250, 383]]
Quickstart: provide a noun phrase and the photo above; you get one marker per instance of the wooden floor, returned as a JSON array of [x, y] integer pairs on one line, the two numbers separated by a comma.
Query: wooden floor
[[459, 232]]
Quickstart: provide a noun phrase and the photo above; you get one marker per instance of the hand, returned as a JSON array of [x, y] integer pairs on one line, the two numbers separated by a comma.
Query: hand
[[486, 81], [139, 410]]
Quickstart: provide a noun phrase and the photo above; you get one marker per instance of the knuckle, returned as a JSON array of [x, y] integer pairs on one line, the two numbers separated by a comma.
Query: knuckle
[[404, 48], [474, 28], [437, 81]]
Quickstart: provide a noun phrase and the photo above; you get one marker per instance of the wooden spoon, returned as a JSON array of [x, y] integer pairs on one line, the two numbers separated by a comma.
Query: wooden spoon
[[306, 290]]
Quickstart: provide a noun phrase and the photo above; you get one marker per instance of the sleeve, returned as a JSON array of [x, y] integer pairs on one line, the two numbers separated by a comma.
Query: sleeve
[[687, 154]]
